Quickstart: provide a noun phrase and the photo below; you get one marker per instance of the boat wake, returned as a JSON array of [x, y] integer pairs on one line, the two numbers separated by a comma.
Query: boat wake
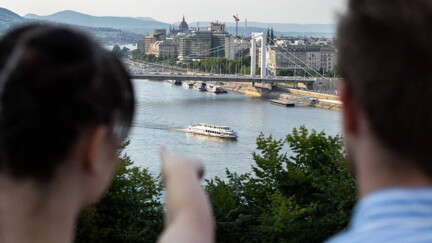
[[175, 129], [158, 127]]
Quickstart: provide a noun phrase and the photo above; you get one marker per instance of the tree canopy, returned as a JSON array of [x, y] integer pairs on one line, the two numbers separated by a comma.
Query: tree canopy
[[305, 195], [120, 52]]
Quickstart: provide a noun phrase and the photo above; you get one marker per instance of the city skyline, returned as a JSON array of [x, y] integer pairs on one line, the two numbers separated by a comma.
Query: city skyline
[[279, 11]]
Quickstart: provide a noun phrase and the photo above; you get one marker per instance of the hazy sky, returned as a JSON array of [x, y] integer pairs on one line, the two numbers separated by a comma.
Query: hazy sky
[[276, 11]]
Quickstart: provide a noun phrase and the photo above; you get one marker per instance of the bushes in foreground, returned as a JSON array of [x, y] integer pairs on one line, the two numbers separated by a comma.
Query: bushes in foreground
[[305, 197], [305, 194]]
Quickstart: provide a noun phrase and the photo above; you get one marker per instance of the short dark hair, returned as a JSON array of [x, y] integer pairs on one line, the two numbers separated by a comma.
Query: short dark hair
[[55, 84], [385, 56]]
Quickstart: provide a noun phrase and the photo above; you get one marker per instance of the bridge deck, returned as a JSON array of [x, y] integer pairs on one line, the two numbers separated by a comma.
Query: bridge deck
[[219, 78]]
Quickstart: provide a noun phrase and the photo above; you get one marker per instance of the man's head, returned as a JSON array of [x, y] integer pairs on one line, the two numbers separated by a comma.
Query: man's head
[[385, 57], [60, 92]]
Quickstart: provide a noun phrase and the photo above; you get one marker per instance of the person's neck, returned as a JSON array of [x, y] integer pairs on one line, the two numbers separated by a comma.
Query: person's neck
[[379, 168], [30, 214]]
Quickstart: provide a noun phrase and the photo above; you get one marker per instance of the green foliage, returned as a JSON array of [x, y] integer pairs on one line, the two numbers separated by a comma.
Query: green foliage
[[120, 53], [305, 197], [137, 54], [131, 210], [302, 73], [298, 73], [285, 72], [211, 65], [334, 73], [223, 65]]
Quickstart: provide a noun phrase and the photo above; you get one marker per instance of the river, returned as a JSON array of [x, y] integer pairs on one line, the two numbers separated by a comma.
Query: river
[[163, 109]]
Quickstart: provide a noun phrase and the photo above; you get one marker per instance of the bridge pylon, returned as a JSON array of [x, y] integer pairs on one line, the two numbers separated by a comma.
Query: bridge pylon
[[260, 36]]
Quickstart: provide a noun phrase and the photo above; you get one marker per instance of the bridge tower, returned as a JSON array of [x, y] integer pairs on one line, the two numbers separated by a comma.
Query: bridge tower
[[253, 56], [263, 38], [263, 56]]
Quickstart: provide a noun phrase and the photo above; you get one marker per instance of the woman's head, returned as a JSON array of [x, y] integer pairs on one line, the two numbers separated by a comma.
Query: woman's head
[[56, 85]]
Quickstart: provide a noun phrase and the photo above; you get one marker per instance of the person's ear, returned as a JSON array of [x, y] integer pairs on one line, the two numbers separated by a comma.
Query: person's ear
[[96, 150], [350, 112], [97, 163]]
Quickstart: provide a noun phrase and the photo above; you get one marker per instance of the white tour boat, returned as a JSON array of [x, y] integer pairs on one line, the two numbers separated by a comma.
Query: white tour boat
[[212, 130]]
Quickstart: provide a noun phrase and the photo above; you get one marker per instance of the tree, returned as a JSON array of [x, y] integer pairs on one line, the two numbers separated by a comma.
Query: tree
[[120, 52], [131, 210], [225, 66], [305, 197], [125, 51], [285, 72], [137, 54], [117, 51]]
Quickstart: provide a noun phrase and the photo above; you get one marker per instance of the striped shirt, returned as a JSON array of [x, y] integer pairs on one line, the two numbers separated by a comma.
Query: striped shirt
[[394, 215]]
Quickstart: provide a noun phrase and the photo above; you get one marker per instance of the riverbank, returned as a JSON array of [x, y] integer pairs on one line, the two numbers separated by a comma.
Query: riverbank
[[308, 98]]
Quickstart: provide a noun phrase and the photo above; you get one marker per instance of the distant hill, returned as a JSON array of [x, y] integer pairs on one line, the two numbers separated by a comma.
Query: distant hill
[[144, 25], [147, 19], [136, 25], [105, 35], [9, 19]]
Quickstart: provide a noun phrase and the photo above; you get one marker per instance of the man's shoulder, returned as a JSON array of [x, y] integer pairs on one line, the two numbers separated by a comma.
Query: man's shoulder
[[389, 235], [394, 215]]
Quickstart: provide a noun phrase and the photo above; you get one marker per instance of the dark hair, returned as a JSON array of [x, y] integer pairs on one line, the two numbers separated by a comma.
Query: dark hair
[[55, 83], [385, 56]]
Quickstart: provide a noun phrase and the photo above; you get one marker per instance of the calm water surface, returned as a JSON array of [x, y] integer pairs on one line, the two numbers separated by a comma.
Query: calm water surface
[[162, 109]]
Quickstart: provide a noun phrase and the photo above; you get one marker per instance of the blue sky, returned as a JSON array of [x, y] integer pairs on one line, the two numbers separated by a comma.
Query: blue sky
[[274, 11]]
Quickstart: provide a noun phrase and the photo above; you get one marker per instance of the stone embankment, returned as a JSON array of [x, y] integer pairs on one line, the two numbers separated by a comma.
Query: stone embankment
[[248, 90], [308, 98]]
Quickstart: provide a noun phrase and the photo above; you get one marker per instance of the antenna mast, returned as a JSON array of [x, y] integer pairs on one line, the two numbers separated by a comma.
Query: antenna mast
[[236, 19], [245, 30]]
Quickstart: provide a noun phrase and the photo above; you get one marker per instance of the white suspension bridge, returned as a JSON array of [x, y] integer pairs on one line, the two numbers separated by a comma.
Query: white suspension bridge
[[165, 70]]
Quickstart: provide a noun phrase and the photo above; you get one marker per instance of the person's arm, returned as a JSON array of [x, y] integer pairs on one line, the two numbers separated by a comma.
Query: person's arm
[[188, 213]]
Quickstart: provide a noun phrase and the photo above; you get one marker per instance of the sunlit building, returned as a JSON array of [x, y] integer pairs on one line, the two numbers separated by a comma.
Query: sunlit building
[[196, 46], [328, 58], [145, 44], [215, 42], [165, 48], [300, 57]]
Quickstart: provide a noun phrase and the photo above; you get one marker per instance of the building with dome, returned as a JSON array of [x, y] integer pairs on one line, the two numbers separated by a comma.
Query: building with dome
[[183, 28]]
